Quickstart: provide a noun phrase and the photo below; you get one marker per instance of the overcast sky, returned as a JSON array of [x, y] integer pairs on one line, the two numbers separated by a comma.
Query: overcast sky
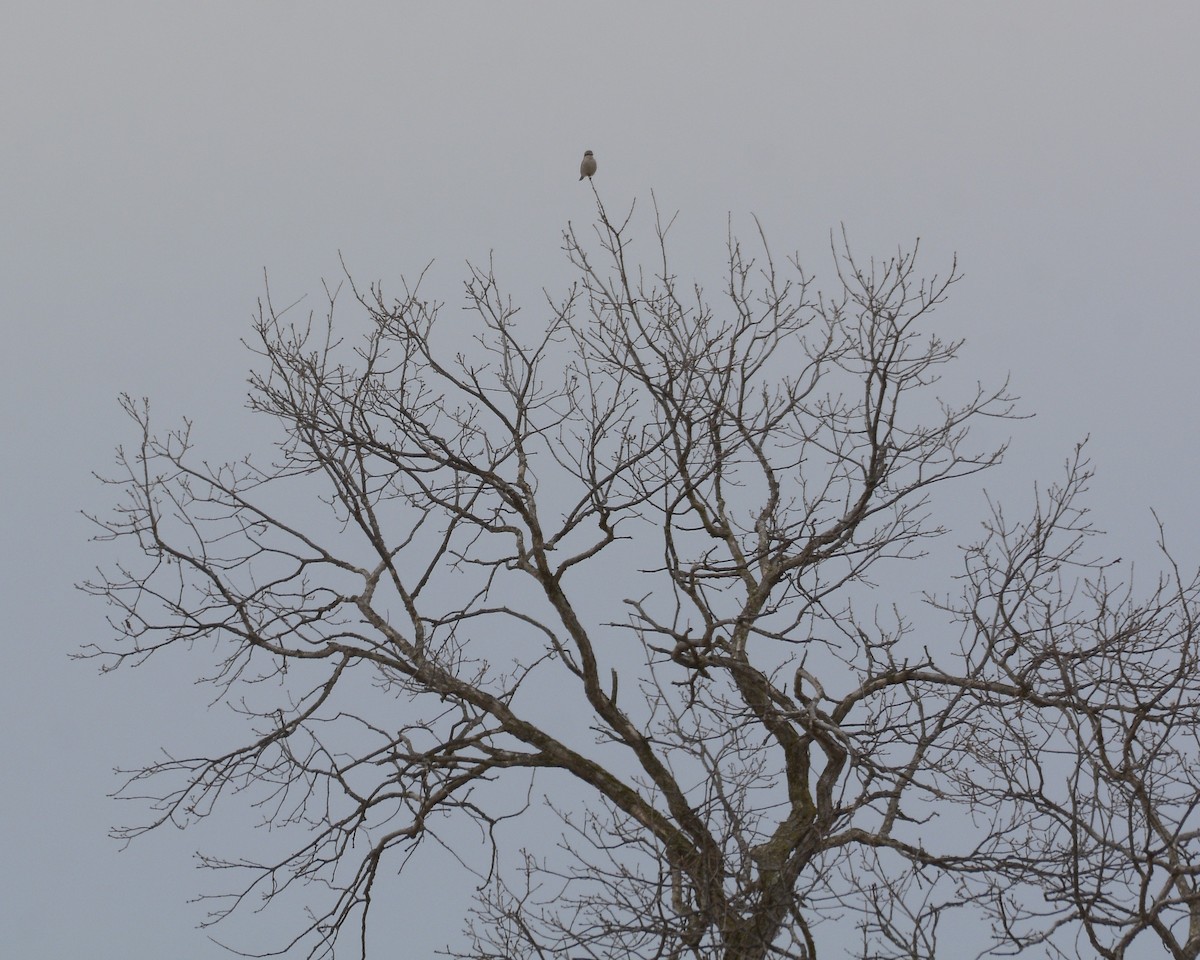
[[157, 157]]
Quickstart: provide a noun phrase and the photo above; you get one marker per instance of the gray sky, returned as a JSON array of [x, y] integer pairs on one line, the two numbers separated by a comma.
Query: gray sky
[[157, 157]]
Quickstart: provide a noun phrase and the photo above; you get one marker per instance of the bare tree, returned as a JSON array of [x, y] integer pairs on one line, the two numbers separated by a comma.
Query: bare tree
[[628, 560]]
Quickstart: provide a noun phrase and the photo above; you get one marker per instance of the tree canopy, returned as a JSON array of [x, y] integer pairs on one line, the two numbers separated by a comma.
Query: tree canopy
[[622, 571]]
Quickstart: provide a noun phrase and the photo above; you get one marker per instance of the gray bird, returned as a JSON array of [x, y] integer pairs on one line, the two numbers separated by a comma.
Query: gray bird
[[588, 167]]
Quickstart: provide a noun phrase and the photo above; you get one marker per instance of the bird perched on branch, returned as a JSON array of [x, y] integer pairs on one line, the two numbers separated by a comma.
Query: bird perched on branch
[[588, 167]]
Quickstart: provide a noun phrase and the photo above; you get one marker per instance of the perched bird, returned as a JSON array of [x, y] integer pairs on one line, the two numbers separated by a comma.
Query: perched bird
[[588, 167]]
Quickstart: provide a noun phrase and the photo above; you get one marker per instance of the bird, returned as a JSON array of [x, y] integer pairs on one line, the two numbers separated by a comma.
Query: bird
[[588, 167]]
